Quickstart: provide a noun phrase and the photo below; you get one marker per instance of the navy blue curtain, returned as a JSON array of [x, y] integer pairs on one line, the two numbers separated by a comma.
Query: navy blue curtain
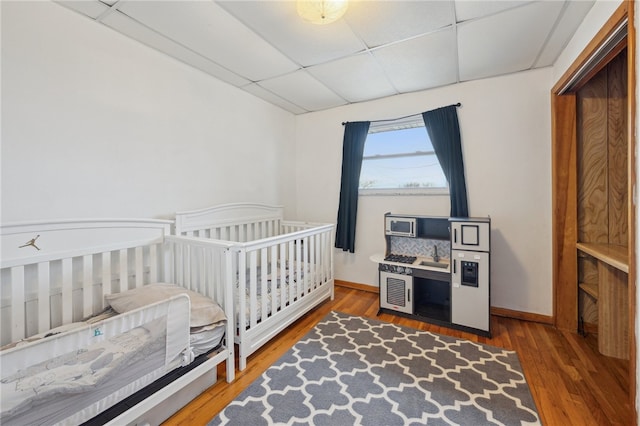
[[355, 134], [444, 131]]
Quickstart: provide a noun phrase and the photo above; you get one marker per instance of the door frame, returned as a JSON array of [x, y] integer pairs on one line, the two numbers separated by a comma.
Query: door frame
[[564, 181]]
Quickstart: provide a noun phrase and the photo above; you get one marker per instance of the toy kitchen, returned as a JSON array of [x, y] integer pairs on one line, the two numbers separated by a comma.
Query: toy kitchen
[[437, 270]]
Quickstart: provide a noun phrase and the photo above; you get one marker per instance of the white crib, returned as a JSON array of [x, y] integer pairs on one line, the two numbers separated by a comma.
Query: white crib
[[58, 273], [280, 269]]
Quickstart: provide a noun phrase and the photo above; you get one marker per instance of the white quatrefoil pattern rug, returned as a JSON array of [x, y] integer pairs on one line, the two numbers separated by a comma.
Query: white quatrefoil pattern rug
[[351, 370]]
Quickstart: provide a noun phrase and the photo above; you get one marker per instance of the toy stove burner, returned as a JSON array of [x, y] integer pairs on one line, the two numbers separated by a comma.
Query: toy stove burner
[[400, 258]]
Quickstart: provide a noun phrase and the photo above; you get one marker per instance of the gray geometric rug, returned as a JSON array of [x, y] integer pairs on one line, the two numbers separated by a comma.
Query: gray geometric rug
[[351, 370]]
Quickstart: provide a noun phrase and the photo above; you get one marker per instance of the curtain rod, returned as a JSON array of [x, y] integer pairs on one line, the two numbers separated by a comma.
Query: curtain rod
[[400, 118]]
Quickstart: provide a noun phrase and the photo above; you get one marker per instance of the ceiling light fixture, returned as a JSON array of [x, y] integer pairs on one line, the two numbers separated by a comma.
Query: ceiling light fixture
[[321, 12]]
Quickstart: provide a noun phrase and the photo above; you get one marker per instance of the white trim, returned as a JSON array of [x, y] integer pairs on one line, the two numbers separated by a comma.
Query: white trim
[[392, 192], [410, 122]]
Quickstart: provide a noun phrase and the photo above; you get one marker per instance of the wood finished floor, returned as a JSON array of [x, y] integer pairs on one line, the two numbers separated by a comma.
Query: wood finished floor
[[571, 383]]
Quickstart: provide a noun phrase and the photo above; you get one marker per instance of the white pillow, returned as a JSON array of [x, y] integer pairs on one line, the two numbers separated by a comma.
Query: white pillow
[[204, 311]]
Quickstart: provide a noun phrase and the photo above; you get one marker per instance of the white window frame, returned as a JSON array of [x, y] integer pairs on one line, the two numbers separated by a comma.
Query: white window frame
[[400, 124]]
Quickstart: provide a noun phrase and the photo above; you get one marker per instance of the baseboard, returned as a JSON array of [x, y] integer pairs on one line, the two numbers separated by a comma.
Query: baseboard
[[590, 328], [356, 286], [525, 316]]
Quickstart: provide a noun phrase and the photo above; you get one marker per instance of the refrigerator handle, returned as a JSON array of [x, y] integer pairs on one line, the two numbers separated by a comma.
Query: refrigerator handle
[[454, 266], [455, 235]]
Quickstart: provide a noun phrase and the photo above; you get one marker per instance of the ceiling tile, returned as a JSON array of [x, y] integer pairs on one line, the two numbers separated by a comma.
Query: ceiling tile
[[569, 22], [301, 89], [506, 42], [420, 63], [305, 43], [382, 22], [92, 9], [208, 33], [264, 94], [356, 78], [472, 9], [135, 30], [380, 48]]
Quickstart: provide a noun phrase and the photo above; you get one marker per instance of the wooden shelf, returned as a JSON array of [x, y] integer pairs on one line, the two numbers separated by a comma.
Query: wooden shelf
[[615, 256], [590, 288]]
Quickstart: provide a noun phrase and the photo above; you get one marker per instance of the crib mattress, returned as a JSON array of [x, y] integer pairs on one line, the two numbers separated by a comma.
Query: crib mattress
[[204, 339]]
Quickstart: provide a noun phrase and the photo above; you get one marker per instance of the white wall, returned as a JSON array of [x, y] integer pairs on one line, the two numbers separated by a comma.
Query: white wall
[[505, 129], [95, 124]]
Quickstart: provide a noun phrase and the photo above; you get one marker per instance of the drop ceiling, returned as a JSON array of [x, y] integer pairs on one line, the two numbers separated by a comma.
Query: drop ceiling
[[378, 49]]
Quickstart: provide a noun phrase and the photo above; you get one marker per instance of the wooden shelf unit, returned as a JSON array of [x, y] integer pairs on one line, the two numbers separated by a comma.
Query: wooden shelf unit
[[590, 288], [611, 254], [611, 293]]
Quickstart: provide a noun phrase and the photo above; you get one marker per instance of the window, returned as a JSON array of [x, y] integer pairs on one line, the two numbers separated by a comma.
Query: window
[[399, 159]]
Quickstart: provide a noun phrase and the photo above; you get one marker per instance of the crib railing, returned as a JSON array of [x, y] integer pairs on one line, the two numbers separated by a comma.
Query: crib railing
[[64, 270], [279, 270], [64, 283], [39, 296], [203, 266]]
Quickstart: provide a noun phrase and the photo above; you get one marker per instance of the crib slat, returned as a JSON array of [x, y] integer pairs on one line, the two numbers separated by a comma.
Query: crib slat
[[124, 270], [211, 265], [167, 260], [298, 270], [198, 268], [322, 259], [67, 290], [312, 265], [264, 285], [153, 263], [188, 263], [87, 286], [203, 262], [194, 256], [274, 279], [253, 289], [44, 294], [328, 253], [283, 274], [17, 303], [180, 264], [106, 277], [242, 296], [139, 267], [291, 265]]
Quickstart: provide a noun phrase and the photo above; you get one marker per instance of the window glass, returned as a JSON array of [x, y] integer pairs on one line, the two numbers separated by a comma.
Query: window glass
[[402, 160]]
